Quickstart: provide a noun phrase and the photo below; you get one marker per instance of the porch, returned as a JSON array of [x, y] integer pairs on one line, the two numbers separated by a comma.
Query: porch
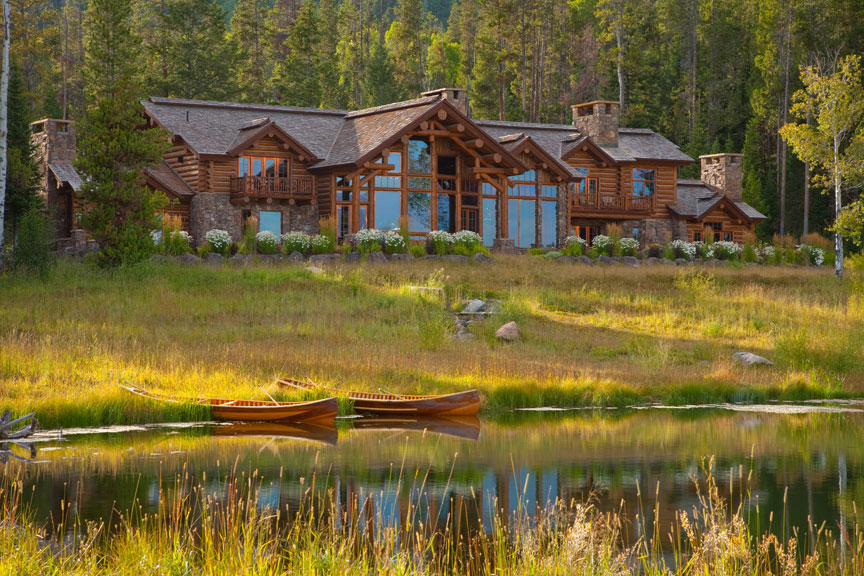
[[280, 188]]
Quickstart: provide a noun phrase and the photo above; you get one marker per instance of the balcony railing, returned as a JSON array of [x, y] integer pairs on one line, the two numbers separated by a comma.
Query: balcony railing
[[593, 202], [295, 187]]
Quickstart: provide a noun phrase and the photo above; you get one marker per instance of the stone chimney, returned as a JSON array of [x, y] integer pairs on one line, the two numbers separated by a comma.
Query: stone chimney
[[457, 96], [54, 140], [597, 120], [724, 172]]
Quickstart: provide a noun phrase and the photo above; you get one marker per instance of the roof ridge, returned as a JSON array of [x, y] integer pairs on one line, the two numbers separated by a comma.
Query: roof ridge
[[244, 106], [393, 106]]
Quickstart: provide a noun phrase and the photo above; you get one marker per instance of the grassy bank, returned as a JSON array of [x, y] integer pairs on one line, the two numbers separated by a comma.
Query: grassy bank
[[591, 335], [219, 528]]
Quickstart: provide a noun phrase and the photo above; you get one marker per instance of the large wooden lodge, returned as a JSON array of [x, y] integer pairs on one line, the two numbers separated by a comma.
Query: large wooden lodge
[[425, 160]]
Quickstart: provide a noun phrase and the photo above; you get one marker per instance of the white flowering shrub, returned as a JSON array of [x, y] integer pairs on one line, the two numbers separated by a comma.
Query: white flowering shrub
[[439, 242], [683, 249], [267, 242], [296, 242], [603, 244], [767, 252], [703, 250], [574, 246], [320, 244], [218, 240], [156, 237], [369, 240], [466, 242], [726, 250], [812, 254], [394, 243], [628, 247], [575, 239]]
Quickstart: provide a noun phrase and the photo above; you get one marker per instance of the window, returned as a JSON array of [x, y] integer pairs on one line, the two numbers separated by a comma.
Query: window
[[522, 222], [587, 233], [389, 181], [727, 236], [387, 210], [446, 212], [269, 167], [643, 182], [419, 158], [271, 221], [343, 221], [549, 218], [419, 212], [697, 236], [490, 227]]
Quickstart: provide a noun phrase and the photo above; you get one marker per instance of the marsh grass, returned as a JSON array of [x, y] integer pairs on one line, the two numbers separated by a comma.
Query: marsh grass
[[591, 335], [219, 526]]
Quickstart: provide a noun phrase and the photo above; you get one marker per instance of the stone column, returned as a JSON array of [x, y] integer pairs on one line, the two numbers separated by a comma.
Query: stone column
[[563, 217]]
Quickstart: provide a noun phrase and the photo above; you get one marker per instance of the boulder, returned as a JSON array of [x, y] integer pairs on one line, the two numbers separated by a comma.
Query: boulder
[[586, 260], [481, 258], [463, 334], [566, 260], [603, 259], [683, 262], [711, 263], [325, 258], [474, 307], [651, 261], [238, 260], [353, 257], [629, 261], [270, 258], [314, 270], [376, 258], [158, 259], [188, 259], [749, 359], [458, 258], [294, 258], [667, 262], [401, 257], [214, 259], [553, 255], [509, 332]]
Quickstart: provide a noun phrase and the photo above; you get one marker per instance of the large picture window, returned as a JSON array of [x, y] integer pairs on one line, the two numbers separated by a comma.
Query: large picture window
[[522, 221], [490, 227], [269, 167], [419, 156], [388, 208], [392, 179], [643, 182], [270, 221]]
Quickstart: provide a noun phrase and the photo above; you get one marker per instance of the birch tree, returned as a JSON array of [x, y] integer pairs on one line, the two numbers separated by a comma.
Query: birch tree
[[833, 143], [4, 104]]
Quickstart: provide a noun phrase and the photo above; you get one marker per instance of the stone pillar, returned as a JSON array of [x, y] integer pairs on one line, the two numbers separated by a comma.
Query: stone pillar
[[563, 216], [725, 173], [597, 120], [210, 211]]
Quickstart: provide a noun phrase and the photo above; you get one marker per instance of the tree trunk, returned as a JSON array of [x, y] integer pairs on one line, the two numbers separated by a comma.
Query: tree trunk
[[806, 227], [4, 133], [783, 145], [622, 81], [838, 206]]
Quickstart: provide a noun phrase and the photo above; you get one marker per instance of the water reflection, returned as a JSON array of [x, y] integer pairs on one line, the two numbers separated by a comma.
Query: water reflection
[[457, 474]]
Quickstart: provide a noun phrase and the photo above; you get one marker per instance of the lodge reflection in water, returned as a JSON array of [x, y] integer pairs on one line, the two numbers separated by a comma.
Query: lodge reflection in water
[[389, 473]]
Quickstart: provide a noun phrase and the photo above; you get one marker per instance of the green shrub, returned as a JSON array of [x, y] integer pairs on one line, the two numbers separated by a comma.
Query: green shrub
[[32, 250], [219, 241], [416, 250], [749, 254], [553, 255], [574, 246], [603, 245], [654, 251], [296, 242], [248, 243], [321, 244], [267, 242], [439, 242], [369, 240], [395, 243], [469, 242]]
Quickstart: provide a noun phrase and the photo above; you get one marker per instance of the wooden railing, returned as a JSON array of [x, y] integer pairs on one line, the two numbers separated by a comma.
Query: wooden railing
[[295, 187], [593, 202]]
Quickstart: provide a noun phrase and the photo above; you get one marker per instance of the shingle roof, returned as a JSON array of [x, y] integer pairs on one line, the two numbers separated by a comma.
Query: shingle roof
[[66, 174], [170, 180], [696, 199]]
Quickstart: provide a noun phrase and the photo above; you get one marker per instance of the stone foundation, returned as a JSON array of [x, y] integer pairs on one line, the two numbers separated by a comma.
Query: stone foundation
[[210, 211], [659, 230]]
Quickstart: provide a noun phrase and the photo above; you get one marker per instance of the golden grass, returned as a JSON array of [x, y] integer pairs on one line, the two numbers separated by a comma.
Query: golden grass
[[591, 335]]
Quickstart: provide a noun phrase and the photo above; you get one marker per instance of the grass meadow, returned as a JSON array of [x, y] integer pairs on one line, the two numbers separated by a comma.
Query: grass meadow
[[592, 335]]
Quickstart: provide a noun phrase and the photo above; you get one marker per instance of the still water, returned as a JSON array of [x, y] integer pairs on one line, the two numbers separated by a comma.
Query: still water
[[633, 461]]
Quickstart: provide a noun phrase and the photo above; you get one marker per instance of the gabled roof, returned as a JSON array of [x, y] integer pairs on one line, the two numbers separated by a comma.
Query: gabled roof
[[696, 200], [519, 143], [578, 142], [166, 179], [65, 173], [249, 135]]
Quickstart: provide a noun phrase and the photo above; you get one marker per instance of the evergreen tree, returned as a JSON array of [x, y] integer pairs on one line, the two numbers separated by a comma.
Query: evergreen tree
[[297, 79], [22, 176], [200, 59], [113, 150], [333, 88], [379, 86], [407, 43], [248, 29]]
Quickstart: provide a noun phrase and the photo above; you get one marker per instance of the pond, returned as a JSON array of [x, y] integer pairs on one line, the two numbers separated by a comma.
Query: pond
[[785, 464]]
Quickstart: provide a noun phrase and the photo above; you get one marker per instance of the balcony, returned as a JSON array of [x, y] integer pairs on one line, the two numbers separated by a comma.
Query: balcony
[[293, 188], [611, 203]]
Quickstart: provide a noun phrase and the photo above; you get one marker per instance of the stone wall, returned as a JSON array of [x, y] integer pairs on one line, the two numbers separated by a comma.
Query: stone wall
[[208, 211], [659, 230], [563, 220], [724, 172], [597, 120]]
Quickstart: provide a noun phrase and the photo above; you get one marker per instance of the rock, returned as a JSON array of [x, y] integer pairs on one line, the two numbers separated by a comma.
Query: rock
[[269, 258], [553, 255], [294, 258], [667, 262], [401, 257], [376, 258], [749, 359], [314, 270], [566, 260], [509, 332], [585, 260], [433, 257], [463, 334], [603, 259], [481, 258], [354, 257], [711, 263], [683, 262], [214, 259], [237, 260], [651, 261], [158, 259], [187, 259], [474, 307], [458, 258], [629, 261], [325, 258]]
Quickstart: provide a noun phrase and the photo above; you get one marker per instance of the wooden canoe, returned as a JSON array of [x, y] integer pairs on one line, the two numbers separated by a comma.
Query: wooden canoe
[[458, 426], [324, 432], [458, 404], [256, 410]]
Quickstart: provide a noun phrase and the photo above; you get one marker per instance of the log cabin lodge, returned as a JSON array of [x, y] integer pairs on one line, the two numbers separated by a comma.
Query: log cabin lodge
[[518, 185]]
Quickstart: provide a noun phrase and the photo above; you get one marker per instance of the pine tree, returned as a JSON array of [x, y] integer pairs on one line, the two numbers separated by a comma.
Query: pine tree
[[22, 177], [248, 29], [333, 89], [407, 43], [379, 86], [200, 59], [297, 79], [113, 150]]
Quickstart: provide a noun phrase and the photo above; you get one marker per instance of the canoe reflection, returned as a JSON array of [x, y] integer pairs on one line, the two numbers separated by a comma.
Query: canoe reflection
[[324, 432], [459, 426]]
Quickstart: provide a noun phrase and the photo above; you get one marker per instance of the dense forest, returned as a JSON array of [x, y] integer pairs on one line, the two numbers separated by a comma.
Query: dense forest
[[711, 75]]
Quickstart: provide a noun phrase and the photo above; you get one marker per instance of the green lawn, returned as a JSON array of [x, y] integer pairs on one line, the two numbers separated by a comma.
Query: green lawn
[[591, 335]]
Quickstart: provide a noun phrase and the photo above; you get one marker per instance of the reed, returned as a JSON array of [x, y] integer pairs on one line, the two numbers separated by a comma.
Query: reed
[[591, 335]]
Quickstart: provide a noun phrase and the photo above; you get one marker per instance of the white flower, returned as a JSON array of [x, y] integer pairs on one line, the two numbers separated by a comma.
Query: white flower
[[813, 254], [628, 245], [218, 239], [156, 237], [467, 237], [601, 241], [683, 247], [297, 241], [267, 237], [726, 248], [184, 235], [369, 235], [320, 242], [394, 240], [577, 239], [768, 251], [441, 236]]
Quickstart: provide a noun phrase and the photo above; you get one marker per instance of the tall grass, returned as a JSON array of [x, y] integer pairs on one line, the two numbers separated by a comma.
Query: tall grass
[[591, 335]]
